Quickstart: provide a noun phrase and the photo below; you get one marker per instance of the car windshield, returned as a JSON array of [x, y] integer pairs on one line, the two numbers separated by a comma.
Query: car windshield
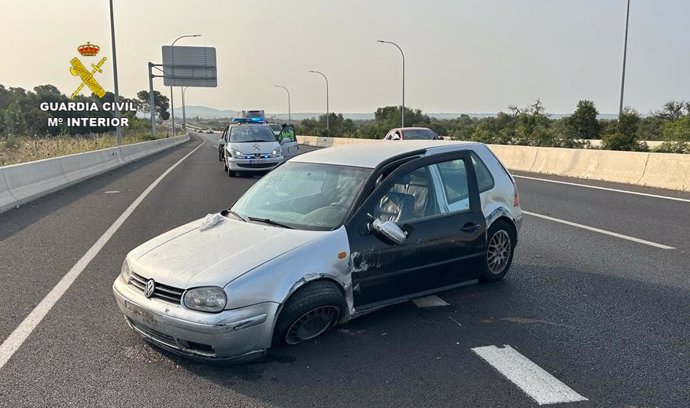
[[310, 196], [419, 134], [242, 134]]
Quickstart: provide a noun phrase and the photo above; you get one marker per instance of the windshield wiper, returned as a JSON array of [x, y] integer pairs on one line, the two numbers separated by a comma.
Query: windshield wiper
[[270, 221], [226, 212]]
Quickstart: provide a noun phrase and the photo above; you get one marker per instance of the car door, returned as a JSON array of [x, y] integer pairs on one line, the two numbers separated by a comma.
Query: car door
[[221, 144], [288, 142], [442, 248]]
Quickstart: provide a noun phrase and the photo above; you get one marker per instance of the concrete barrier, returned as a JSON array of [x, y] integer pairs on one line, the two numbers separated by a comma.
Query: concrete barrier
[[77, 167], [29, 181], [21, 183], [6, 197], [667, 170], [661, 170]]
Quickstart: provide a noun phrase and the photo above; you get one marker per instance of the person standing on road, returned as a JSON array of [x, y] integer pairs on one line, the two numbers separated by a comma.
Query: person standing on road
[[286, 132]]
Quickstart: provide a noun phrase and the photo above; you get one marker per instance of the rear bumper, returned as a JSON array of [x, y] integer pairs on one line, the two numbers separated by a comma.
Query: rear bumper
[[237, 334]]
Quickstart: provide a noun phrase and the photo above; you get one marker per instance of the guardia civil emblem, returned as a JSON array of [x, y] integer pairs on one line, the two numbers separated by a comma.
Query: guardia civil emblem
[[87, 77]]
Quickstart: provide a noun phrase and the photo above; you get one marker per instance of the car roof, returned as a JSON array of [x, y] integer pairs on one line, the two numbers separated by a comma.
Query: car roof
[[412, 128], [371, 154], [248, 124]]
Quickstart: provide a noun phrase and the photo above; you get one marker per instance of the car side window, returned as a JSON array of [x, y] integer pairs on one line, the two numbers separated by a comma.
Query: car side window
[[484, 178], [412, 197], [455, 184]]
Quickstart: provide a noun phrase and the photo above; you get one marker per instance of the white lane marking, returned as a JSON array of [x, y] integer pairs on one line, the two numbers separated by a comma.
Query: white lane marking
[[429, 301], [29, 324], [529, 377], [685, 200], [599, 230]]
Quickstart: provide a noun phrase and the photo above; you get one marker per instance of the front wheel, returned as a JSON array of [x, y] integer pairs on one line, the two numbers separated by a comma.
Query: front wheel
[[309, 312], [499, 252]]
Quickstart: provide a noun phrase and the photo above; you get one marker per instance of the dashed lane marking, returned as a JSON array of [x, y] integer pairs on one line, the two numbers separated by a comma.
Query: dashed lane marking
[[599, 230], [615, 190], [541, 386]]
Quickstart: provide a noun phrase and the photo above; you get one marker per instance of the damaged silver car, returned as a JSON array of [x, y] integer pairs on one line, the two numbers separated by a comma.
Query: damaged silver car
[[326, 237]]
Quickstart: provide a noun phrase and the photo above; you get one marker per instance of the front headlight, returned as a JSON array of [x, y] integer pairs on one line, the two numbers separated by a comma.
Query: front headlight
[[208, 299], [125, 271], [236, 154], [277, 152]]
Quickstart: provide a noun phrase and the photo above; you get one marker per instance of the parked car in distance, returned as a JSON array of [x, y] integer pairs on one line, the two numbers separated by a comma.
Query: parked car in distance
[[412, 133], [209, 130], [326, 237]]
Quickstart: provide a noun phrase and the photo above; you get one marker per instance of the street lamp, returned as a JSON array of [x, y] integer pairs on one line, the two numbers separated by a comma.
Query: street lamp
[[118, 128], [172, 52], [184, 115], [625, 52], [288, 94], [327, 111], [402, 111]]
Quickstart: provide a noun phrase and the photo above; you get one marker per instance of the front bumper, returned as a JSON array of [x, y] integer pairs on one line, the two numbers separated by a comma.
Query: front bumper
[[236, 334], [253, 164]]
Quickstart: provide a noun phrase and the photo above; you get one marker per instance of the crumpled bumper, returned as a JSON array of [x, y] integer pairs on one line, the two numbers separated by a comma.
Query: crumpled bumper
[[237, 334]]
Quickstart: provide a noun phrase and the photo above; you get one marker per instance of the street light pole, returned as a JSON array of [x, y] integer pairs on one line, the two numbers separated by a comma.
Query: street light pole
[[402, 111], [288, 94], [172, 52], [184, 115], [118, 128], [625, 52], [327, 109]]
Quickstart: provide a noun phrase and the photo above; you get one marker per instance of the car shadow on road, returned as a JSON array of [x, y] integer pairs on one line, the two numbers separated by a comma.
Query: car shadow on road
[[556, 314]]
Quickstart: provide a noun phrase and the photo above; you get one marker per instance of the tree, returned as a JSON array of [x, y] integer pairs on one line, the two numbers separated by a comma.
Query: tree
[[583, 122], [160, 101], [673, 110], [678, 130], [533, 125], [625, 135]]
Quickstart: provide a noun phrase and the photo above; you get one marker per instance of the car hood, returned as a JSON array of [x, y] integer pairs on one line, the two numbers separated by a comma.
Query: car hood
[[188, 257]]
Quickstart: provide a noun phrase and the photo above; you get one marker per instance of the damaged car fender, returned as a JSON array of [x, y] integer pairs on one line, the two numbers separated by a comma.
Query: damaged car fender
[[325, 257]]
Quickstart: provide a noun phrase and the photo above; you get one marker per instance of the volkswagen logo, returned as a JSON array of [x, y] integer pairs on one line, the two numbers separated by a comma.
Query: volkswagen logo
[[150, 287]]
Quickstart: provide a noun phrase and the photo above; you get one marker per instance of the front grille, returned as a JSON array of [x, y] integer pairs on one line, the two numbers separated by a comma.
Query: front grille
[[163, 292]]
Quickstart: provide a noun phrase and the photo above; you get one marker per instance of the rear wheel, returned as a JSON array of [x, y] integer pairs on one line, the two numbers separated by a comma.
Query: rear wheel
[[309, 312], [499, 252]]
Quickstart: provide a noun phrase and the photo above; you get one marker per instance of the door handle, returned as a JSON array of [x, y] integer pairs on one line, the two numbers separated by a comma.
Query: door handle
[[470, 227]]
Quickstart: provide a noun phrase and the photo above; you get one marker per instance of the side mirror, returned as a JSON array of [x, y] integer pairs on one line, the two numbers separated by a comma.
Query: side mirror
[[389, 230], [221, 141]]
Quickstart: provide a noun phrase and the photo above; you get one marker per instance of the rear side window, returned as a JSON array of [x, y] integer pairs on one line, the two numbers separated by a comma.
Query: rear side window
[[454, 179], [485, 180]]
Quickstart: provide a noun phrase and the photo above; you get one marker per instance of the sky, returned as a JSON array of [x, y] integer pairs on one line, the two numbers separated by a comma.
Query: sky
[[460, 55]]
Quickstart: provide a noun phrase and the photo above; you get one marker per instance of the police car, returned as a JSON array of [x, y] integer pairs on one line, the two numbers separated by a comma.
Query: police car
[[248, 145]]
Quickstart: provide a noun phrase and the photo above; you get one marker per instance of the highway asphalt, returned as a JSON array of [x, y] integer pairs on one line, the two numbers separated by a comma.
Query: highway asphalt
[[604, 315]]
